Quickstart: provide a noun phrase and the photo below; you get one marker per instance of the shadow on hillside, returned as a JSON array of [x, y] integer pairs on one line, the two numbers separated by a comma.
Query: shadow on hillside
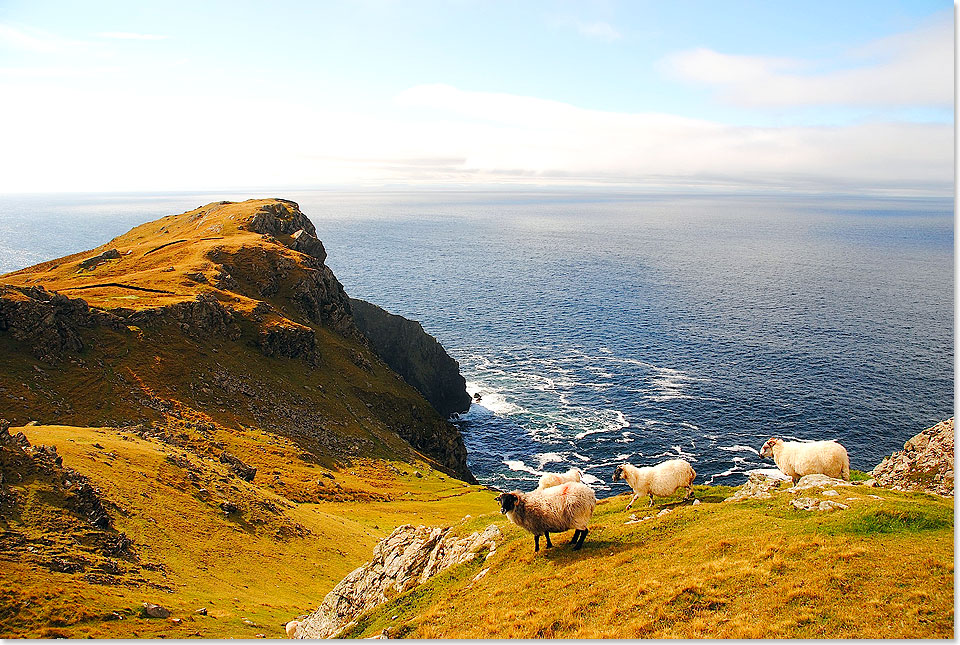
[[563, 552]]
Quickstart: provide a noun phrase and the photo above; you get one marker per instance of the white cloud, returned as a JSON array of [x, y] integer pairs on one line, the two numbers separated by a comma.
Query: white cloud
[[599, 29], [909, 69], [33, 40], [591, 29], [127, 35], [67, 139]]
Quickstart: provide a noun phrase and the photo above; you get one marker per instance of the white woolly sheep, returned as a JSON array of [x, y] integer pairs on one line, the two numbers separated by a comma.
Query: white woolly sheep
[[660, 480], [291, 628], [551, 510], [796, 459], [555, 479]]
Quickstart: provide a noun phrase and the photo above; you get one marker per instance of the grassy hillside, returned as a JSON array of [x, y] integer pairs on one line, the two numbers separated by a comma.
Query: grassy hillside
[[300, 527], [756, 569]]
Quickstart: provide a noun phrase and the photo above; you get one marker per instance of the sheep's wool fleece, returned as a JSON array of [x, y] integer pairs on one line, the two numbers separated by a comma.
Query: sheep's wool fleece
[[555, 509]]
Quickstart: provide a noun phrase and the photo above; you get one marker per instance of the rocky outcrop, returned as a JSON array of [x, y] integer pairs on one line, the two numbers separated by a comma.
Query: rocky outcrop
[[812, 504], [406, 558], [415, 355], [50, 323], [818, 481], [758, 486], [924, 464]]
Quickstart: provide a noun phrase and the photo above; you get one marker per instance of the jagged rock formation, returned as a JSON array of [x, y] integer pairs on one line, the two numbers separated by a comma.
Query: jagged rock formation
[[83, 509], [925, 464], [213, 282], [758, 486], [415, 355], [818, 481], [406, 558]]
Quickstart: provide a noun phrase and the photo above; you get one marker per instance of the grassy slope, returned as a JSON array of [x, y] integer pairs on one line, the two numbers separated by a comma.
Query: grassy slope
[[759, 569], [274, 560]]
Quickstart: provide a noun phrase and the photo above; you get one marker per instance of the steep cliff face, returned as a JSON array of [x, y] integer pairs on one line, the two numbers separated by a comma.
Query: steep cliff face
[[924, 464], [415, 355], [229, 309]]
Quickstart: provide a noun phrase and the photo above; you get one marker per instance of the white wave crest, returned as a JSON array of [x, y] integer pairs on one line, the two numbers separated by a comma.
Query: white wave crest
[[739, 448]]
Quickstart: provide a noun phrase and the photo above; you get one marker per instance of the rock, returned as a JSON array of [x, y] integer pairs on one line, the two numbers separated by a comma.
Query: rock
[[664, 512], [758, 486], [870, 483], [415, 355], [176, 621], [817, 481], [925, 464], [243, 471], [201, 612], [155, 611], [695, 502], [481, 574], [229, 507], [812, 504], [406, 558], [831, 493], [97, 260]]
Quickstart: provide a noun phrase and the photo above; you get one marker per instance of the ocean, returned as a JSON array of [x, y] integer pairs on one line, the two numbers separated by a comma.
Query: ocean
[[601, 327]]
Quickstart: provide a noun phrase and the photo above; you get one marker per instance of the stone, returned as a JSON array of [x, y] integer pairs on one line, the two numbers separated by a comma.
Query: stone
[[831, 493], [406, 558], [758, 486], [817, 481], [925, 464], [155, 611], [243, 471], [97, 260], [201, 612], [813, 504], [229, 507]]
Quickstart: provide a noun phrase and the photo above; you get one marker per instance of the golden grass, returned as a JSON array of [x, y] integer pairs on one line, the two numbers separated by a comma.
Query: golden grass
[[716, 570], [263, 566]]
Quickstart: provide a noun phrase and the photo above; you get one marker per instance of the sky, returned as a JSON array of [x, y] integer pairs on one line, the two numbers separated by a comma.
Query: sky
[[806, 96]]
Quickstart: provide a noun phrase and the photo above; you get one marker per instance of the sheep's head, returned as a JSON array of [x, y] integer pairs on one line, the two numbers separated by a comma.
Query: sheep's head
[[767, 450], [618, 473], [508, 502]]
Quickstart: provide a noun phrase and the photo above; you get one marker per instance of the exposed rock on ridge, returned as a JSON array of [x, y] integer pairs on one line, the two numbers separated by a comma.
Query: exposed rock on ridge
[[406, 558], [415, 355], [925, 464]]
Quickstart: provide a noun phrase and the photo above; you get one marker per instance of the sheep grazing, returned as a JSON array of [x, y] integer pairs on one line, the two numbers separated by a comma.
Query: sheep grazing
[[660, 480], [551, 510], [291, 628], [796, 459], [555, 479]]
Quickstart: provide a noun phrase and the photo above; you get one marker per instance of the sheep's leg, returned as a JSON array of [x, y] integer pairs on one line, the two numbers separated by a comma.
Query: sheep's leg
[[688, 493], [536, 543], [576, 534], [632, 500], [583, 536], [549, 543], [650, 497]]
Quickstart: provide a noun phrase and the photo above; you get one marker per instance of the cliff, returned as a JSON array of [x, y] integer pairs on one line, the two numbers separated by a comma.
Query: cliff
[[415, 355], [228, 309]]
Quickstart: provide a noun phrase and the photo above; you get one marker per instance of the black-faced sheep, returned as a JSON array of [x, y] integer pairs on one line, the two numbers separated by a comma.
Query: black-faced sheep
[[660, 480], [551, 510], [555, 479], [796, 459]]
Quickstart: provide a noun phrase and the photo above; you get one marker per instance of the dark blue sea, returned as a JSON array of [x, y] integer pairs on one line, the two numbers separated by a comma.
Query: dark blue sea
[[601, 328]]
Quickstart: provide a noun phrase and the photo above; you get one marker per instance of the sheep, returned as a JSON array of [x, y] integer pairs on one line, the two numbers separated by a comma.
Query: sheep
[[660, 480], [796, 459], [555, 479], [291, 628], [551, 510]]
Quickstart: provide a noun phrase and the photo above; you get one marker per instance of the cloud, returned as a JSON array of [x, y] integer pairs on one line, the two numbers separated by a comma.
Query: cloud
[[599, 29], [914, 68], [127, 35], [86, 139], [596, 29], [33, 40], [506, 134]]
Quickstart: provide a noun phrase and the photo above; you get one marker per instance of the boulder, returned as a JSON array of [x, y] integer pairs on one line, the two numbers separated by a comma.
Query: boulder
[[406, 558], [812, 504], [97, 260], [925, 463], [818, 481], [155, 611], [758, 486]]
